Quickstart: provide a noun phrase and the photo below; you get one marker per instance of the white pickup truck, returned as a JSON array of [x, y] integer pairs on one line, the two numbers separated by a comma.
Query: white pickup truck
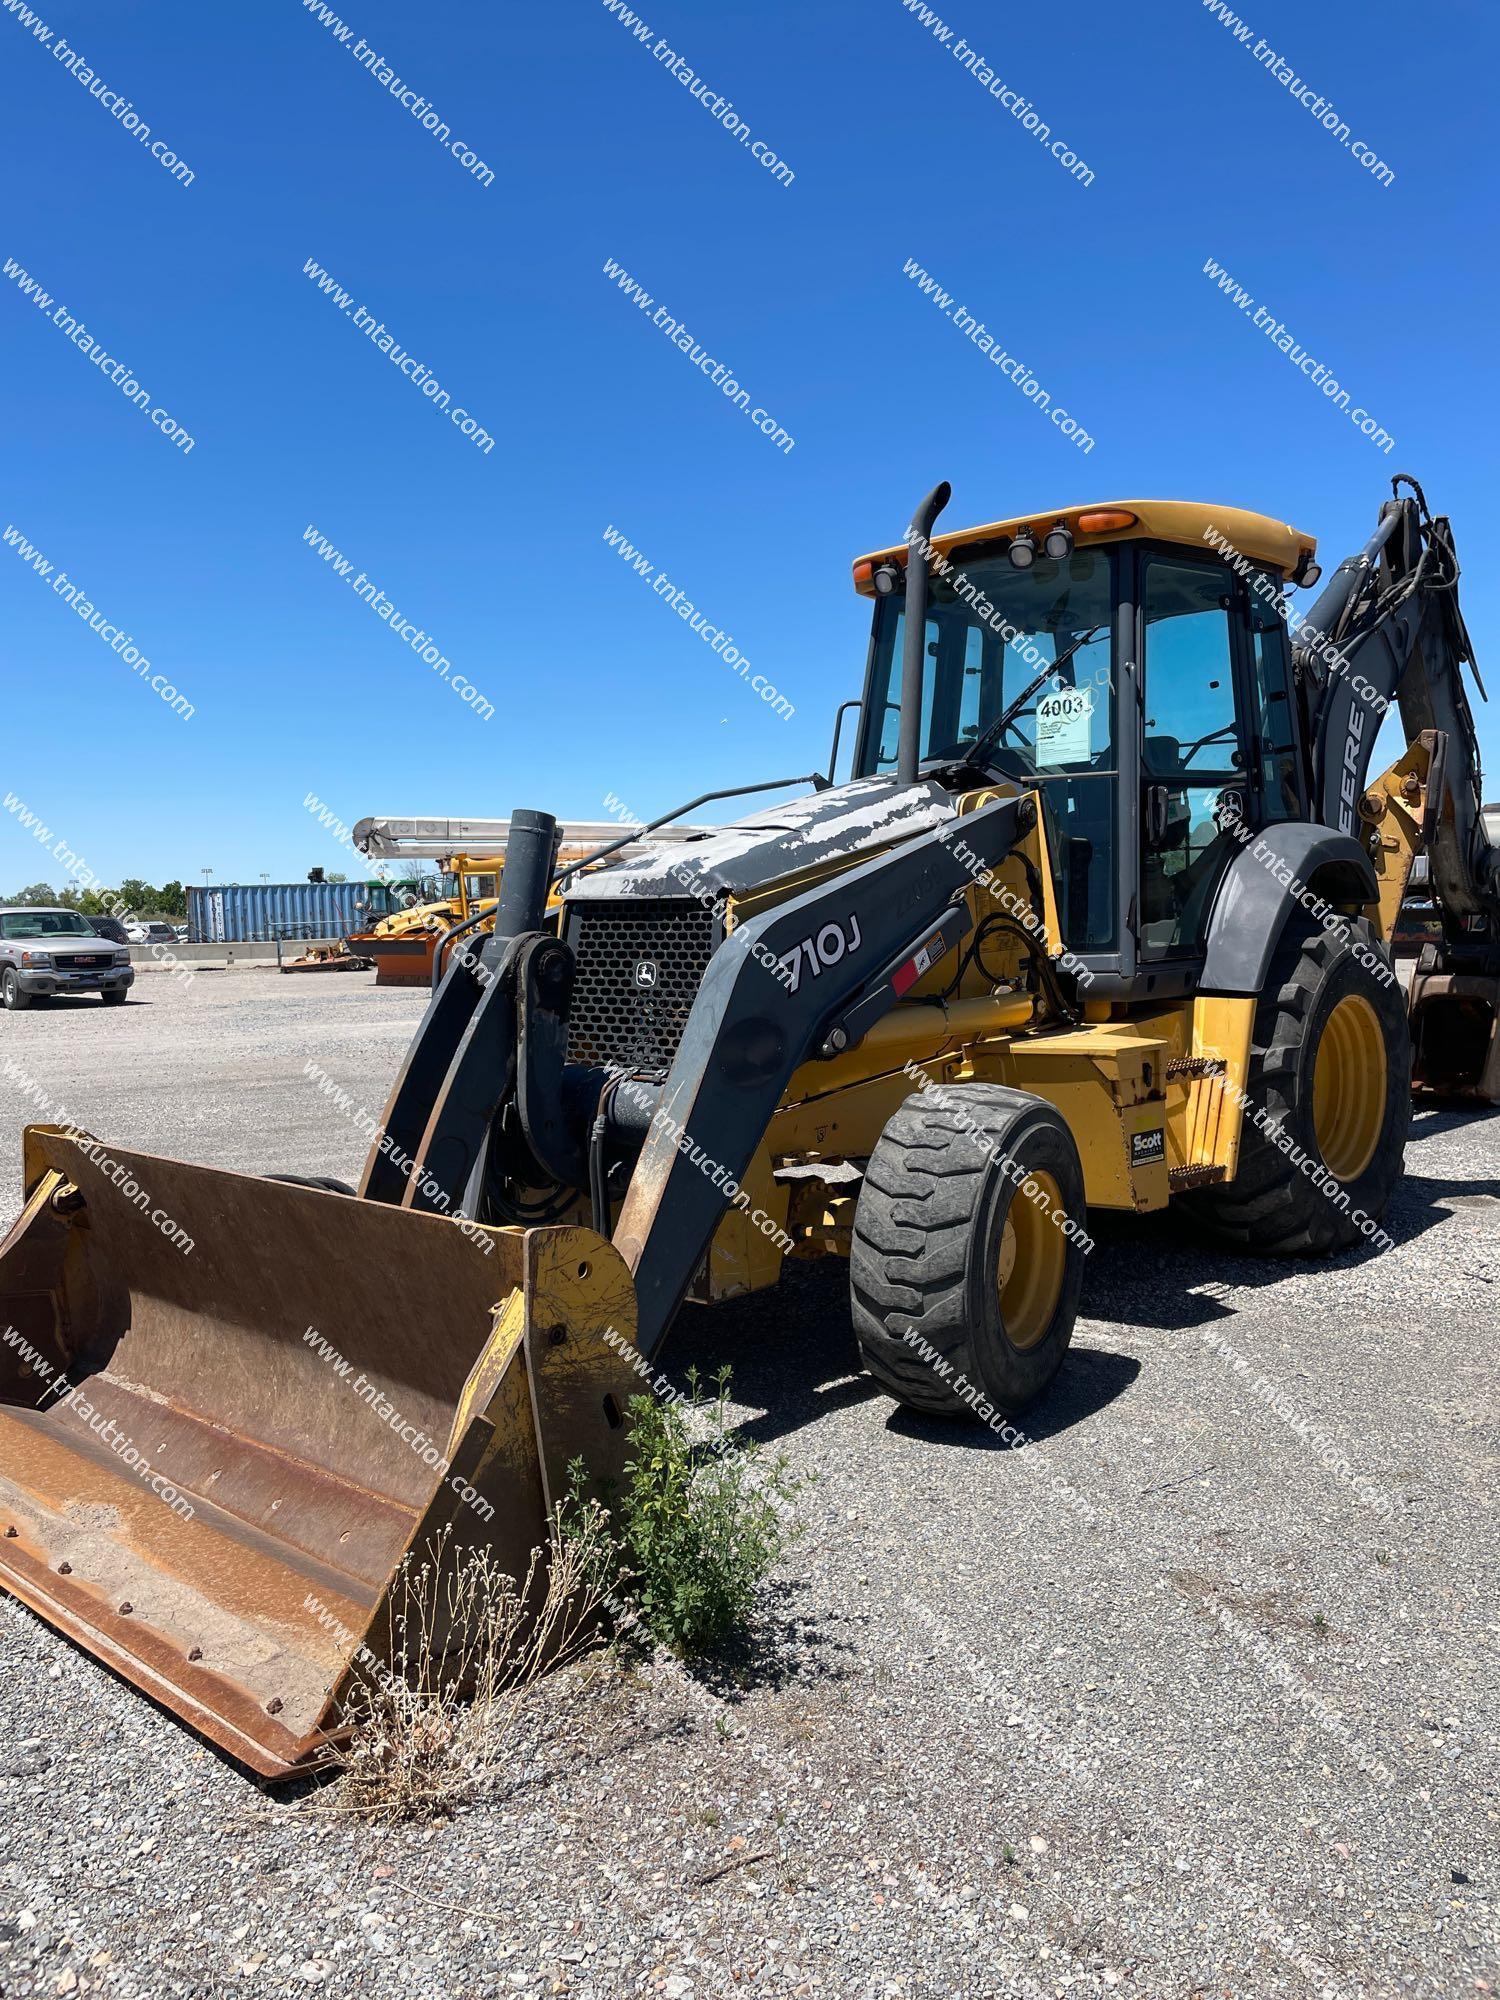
[[44, 952]]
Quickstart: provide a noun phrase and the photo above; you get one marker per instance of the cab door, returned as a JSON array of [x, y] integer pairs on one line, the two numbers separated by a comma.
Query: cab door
[[1197, 743]]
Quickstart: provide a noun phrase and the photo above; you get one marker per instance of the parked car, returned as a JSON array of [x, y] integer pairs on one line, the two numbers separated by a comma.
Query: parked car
[[153, 933], [108, 927], [43, 952], [1417, 923]]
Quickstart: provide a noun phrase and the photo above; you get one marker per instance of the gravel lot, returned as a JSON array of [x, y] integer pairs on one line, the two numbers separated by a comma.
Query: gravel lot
[[1012, 1728]]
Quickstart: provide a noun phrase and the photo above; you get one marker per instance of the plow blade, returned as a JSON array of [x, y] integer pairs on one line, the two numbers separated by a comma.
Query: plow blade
[[230, 1406]]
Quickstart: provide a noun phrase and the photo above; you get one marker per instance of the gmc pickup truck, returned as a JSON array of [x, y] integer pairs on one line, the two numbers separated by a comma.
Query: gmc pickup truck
[[43, 952]]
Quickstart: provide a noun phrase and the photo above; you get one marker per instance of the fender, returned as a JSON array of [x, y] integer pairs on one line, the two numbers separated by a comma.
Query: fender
[[1254, 901]]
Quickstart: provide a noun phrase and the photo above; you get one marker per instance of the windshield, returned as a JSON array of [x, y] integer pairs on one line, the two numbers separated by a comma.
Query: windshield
[[993, 635], [992, 631], [44, 923]]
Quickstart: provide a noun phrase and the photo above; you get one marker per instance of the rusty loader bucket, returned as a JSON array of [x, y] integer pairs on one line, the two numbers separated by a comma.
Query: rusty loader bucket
[[229, 1406]]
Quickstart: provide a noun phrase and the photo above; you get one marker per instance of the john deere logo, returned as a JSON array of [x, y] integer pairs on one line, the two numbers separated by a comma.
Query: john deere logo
[[645, 972]]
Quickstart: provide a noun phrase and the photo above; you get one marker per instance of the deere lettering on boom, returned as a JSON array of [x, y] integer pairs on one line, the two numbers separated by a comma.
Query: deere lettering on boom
[[1110, 891]]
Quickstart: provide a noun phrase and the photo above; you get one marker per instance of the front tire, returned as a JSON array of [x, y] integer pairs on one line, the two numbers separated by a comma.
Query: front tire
[[1330, 1073], [966, 1259], [13, 996], [114, 997]]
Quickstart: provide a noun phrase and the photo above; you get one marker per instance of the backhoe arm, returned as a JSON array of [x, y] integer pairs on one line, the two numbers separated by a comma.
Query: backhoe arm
[[1388, 628]]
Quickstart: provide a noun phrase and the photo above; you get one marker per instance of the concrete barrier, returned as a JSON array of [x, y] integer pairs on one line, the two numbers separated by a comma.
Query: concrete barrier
[[258, 953]]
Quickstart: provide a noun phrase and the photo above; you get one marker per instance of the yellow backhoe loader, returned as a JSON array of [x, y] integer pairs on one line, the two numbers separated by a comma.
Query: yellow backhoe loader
[[400, 946], [1100, 919]]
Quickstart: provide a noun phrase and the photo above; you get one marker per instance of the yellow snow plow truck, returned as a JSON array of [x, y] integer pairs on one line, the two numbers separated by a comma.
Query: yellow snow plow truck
[[1100, 918]]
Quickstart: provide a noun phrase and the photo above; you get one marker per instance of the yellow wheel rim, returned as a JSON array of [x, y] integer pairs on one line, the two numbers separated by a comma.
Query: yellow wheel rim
[[1033, 1254], [1349, 1088]]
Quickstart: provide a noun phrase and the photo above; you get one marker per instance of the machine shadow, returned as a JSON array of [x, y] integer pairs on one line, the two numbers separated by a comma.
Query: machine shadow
[[792, 1355], [1433, 1116]]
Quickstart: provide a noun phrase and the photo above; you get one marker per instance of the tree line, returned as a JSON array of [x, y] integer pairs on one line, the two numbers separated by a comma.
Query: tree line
[[140, 898]]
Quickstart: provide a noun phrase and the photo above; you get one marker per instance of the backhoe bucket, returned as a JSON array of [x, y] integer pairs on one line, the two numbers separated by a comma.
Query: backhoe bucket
[[1455, 1034], [229, 1407]]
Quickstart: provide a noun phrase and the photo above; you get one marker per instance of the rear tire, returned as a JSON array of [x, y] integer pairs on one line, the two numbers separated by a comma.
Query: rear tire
[[1330, 1068], [13, 996], [964, 1290]]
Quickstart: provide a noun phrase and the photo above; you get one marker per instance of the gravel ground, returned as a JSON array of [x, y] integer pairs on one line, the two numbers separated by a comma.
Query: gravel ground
[[1158, 1705]]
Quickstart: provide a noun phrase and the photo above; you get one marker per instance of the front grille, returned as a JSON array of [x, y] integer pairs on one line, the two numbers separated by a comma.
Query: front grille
[[80, 959], [640, 965]]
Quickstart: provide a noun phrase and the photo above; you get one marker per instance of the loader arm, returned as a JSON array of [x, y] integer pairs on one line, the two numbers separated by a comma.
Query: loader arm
[[750, 1029], [490, 1052], [461, 1060]]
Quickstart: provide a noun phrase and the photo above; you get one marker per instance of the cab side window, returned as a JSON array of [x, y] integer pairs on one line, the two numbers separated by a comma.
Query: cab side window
[[1276, 729]]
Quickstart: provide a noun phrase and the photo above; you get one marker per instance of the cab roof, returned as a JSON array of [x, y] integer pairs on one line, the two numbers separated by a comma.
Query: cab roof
[[1192, 523]]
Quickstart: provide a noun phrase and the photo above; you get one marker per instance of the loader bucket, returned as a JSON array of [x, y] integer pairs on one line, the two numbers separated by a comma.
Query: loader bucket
[[1455, 1034], [230, 1406]]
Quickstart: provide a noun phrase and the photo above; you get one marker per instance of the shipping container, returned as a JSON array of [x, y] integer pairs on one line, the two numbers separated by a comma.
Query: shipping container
[[248, 912]]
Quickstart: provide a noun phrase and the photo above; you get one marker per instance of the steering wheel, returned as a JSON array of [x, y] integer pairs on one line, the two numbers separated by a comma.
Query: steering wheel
[[1186, 756], [1023, 749], [1010, 728]]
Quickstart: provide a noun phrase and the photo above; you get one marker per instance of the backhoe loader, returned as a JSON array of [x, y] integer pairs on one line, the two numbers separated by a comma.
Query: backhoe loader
[[1100, 918]]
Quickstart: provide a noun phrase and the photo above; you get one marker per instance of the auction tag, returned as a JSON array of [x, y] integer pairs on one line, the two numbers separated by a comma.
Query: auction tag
[[1062, 726]]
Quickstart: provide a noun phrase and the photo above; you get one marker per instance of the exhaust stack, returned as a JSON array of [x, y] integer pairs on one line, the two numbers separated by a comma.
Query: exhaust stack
[[526, 880], [913, 662]]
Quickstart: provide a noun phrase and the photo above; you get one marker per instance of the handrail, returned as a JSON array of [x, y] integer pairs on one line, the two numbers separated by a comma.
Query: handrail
[[815, 779]]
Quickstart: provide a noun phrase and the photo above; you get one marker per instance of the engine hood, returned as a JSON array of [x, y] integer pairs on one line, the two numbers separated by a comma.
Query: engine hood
[[866, 814]]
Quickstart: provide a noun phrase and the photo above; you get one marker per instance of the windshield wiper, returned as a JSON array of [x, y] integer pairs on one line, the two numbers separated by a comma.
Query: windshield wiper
[[1009, 714]]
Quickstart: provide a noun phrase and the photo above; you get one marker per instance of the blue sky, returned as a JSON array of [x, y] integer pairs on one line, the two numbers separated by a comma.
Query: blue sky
[[599, 153]]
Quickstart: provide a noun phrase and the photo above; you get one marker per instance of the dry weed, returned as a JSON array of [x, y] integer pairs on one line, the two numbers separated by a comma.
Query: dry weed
[[467, 1643]]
